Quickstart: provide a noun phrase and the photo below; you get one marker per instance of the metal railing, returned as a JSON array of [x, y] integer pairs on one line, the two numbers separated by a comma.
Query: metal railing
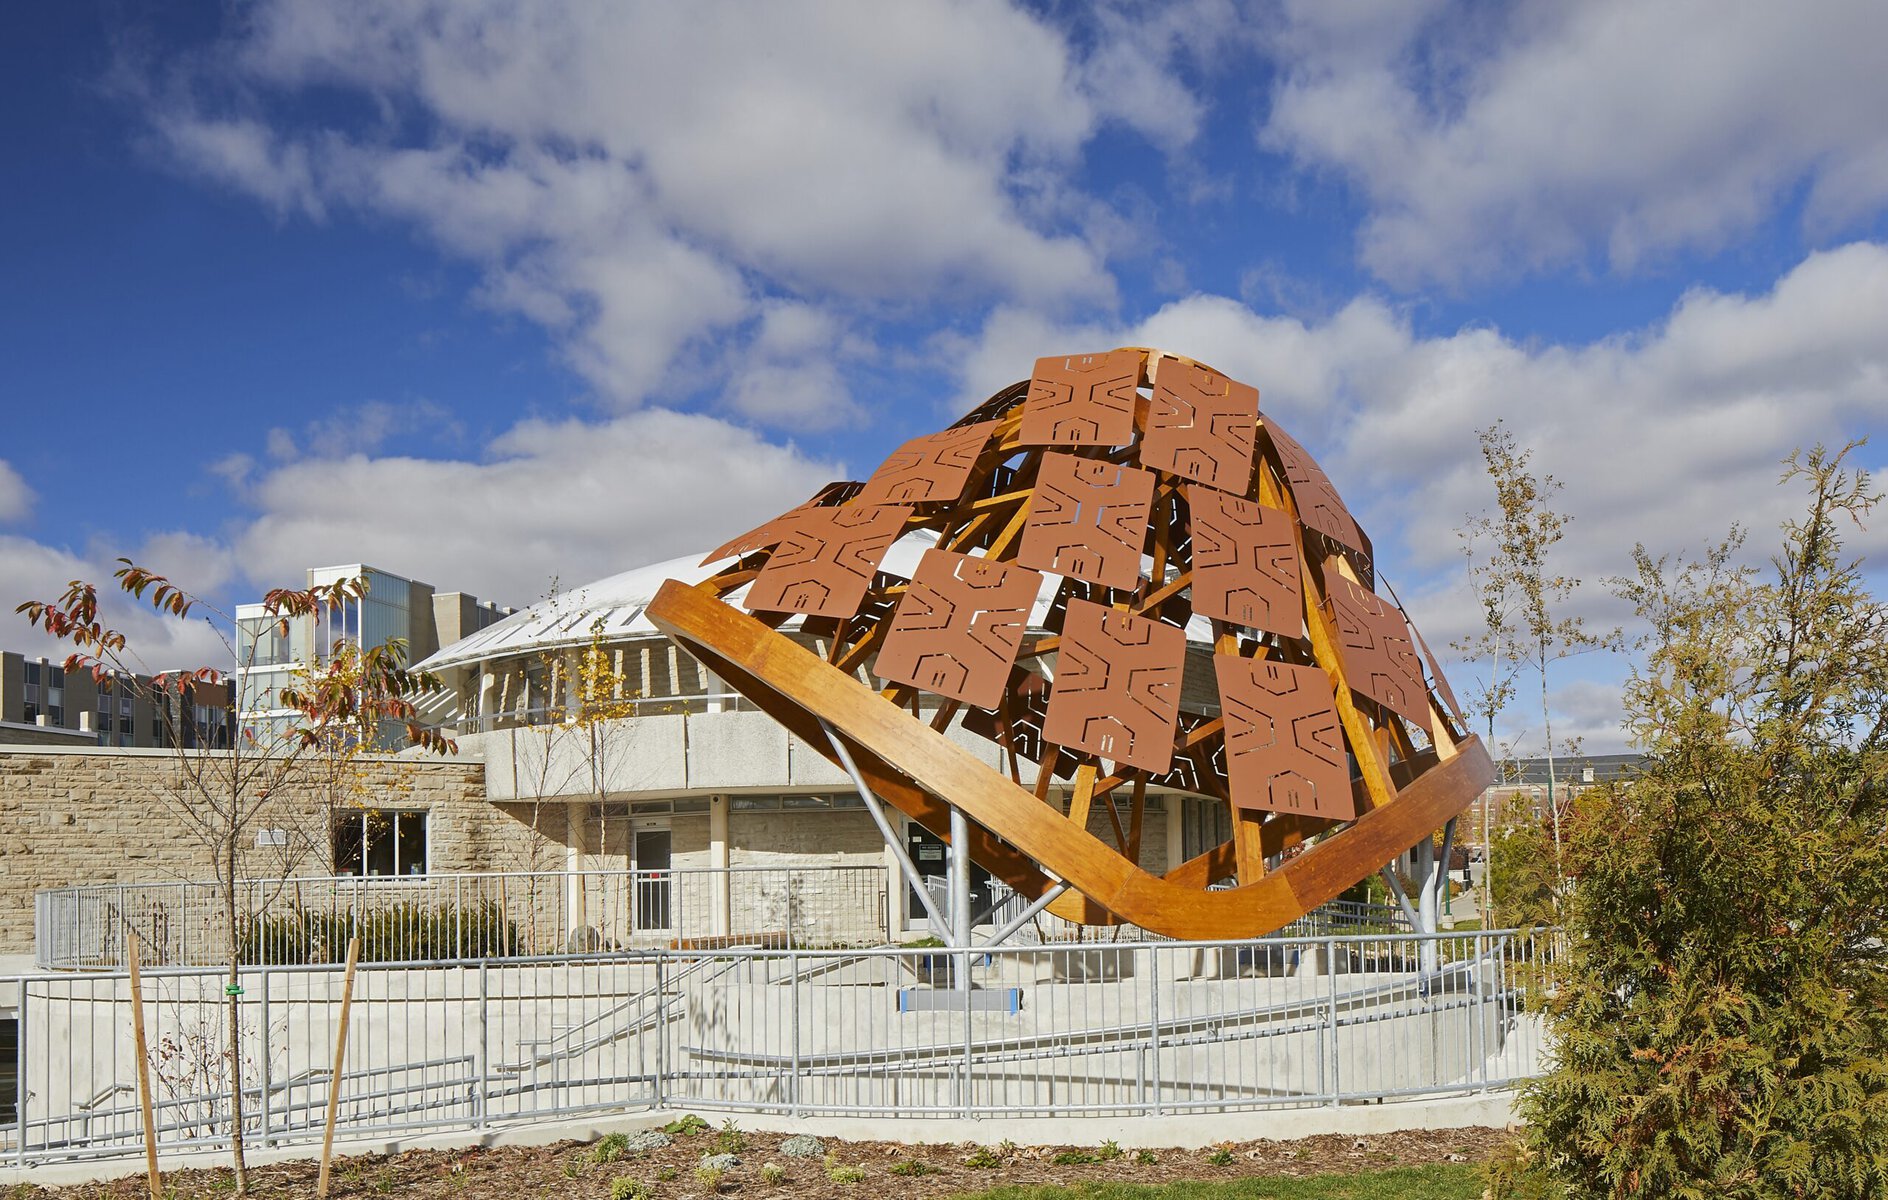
[[1122, 1029], [538, 716], [459, 916]]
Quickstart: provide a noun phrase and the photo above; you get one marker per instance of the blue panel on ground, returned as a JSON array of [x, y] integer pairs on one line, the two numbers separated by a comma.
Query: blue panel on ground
[[1007, 1000]]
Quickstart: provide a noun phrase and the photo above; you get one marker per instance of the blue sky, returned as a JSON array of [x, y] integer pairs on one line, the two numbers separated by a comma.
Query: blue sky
[[487, 293]]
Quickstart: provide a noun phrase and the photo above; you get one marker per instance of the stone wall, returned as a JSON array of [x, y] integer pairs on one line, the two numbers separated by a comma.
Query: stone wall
[[80, 816]]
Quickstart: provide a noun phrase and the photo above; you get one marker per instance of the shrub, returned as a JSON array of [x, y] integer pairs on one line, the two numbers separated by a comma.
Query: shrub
[[626, 1187], [610, 1148], [729, 1140], [773, 1173], [845, 1174], [1722, 1025], [912, 1167], [687, 1125], [404, 932]]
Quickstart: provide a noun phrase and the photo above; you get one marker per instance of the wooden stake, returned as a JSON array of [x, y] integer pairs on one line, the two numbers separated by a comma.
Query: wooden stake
[[144, 1078], [340, 1053]]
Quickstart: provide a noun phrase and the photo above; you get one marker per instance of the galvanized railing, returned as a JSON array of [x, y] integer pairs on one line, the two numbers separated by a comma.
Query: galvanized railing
[[458, 916], [1122, 1029]]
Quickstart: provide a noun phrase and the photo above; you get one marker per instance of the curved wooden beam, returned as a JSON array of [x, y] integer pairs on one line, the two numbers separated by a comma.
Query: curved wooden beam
[[912, 767]]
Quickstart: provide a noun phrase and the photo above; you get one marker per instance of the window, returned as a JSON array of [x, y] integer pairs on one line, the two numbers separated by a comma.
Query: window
[[380, 843]]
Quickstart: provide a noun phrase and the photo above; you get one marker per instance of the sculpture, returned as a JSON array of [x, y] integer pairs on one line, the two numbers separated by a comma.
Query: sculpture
[[1207, 621]]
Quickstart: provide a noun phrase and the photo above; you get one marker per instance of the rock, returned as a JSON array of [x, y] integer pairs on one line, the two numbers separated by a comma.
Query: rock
[[648, 1139], [802, 1145], [718, 1162]]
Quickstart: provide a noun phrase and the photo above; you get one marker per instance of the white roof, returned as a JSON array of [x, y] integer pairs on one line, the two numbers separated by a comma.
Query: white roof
[[620, 600]]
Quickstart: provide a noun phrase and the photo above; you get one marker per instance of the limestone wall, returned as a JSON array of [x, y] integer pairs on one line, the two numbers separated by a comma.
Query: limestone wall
[[79, 816]]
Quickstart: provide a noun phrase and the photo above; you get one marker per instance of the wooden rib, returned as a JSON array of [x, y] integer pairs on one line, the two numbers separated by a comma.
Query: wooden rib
[[1323, 632], [1155, 598], [1083, 795], [945, 712], [966, 532], [784, 679], [1114, 819], [1003, 500], [1000, 545], [1248, 844]]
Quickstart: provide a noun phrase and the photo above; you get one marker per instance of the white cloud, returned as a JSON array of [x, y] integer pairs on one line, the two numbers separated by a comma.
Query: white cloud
[[16, 499], [1664, 435], [572, 499], [1492, 141], [30, 570], [636, 177]]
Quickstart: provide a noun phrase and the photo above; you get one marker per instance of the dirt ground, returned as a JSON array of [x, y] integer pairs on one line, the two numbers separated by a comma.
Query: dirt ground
[[849, 1169]]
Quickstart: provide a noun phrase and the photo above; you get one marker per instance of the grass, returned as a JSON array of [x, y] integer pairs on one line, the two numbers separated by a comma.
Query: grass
[[1435, 1182]]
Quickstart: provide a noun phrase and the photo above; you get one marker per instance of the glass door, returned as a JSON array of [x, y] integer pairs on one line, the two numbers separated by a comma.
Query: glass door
[[652, 850]]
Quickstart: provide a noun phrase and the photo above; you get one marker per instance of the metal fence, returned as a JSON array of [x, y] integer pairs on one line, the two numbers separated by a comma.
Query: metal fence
[[1124, 1029], [458, 916]]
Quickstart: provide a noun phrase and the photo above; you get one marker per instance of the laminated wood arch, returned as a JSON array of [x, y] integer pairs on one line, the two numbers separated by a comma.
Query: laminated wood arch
[[1137, 580]]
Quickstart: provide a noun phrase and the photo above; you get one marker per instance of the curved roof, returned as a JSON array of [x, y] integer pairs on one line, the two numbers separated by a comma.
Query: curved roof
[[619, 600]]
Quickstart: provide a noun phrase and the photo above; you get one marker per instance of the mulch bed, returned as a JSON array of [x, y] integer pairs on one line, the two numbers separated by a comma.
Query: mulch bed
[[572, 1169]]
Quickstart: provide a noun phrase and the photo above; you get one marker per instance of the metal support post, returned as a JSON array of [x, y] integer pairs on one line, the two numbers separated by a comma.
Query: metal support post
[[1402, 898], [1027, 915], [939, 925], [793, 974], [662, 1027], [1153, 1017], [485, 1080], [960, 880], [264, 1070]]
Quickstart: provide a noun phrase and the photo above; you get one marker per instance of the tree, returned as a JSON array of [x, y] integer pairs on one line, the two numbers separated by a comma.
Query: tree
[[1523, 602], [219, 794], [1722, 1029]]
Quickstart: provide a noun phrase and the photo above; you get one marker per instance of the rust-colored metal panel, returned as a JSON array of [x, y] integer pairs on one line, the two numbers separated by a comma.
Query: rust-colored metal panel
[[776, 530], [825, 562], [958, 628], [1117, 686], [1284, 746], [1088, 519], [1319, 505], [1201, 425], [929, 468], [1082, 400], [1374, 638], [1245, 563]]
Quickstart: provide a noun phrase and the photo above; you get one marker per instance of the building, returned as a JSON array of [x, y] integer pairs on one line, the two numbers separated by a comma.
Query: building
[[394, 608], [1523, 782], [42, 703]]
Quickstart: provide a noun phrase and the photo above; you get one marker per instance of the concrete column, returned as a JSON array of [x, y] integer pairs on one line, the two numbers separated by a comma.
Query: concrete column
[[576, 816], [1176, 832], [719, 859], [894, 884]]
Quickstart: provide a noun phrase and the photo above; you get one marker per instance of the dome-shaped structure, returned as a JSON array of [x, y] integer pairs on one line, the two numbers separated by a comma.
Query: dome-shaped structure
[[1077, 527]]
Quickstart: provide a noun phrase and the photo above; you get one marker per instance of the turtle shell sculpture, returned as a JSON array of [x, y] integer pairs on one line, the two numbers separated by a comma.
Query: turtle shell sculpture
[[1130, 578]]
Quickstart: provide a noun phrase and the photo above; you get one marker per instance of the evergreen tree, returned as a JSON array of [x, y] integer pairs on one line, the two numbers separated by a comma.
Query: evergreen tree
[[1722, 1027]]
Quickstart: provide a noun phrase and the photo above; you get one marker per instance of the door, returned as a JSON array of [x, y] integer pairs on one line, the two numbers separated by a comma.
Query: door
[[651, 861], [929, 854]]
